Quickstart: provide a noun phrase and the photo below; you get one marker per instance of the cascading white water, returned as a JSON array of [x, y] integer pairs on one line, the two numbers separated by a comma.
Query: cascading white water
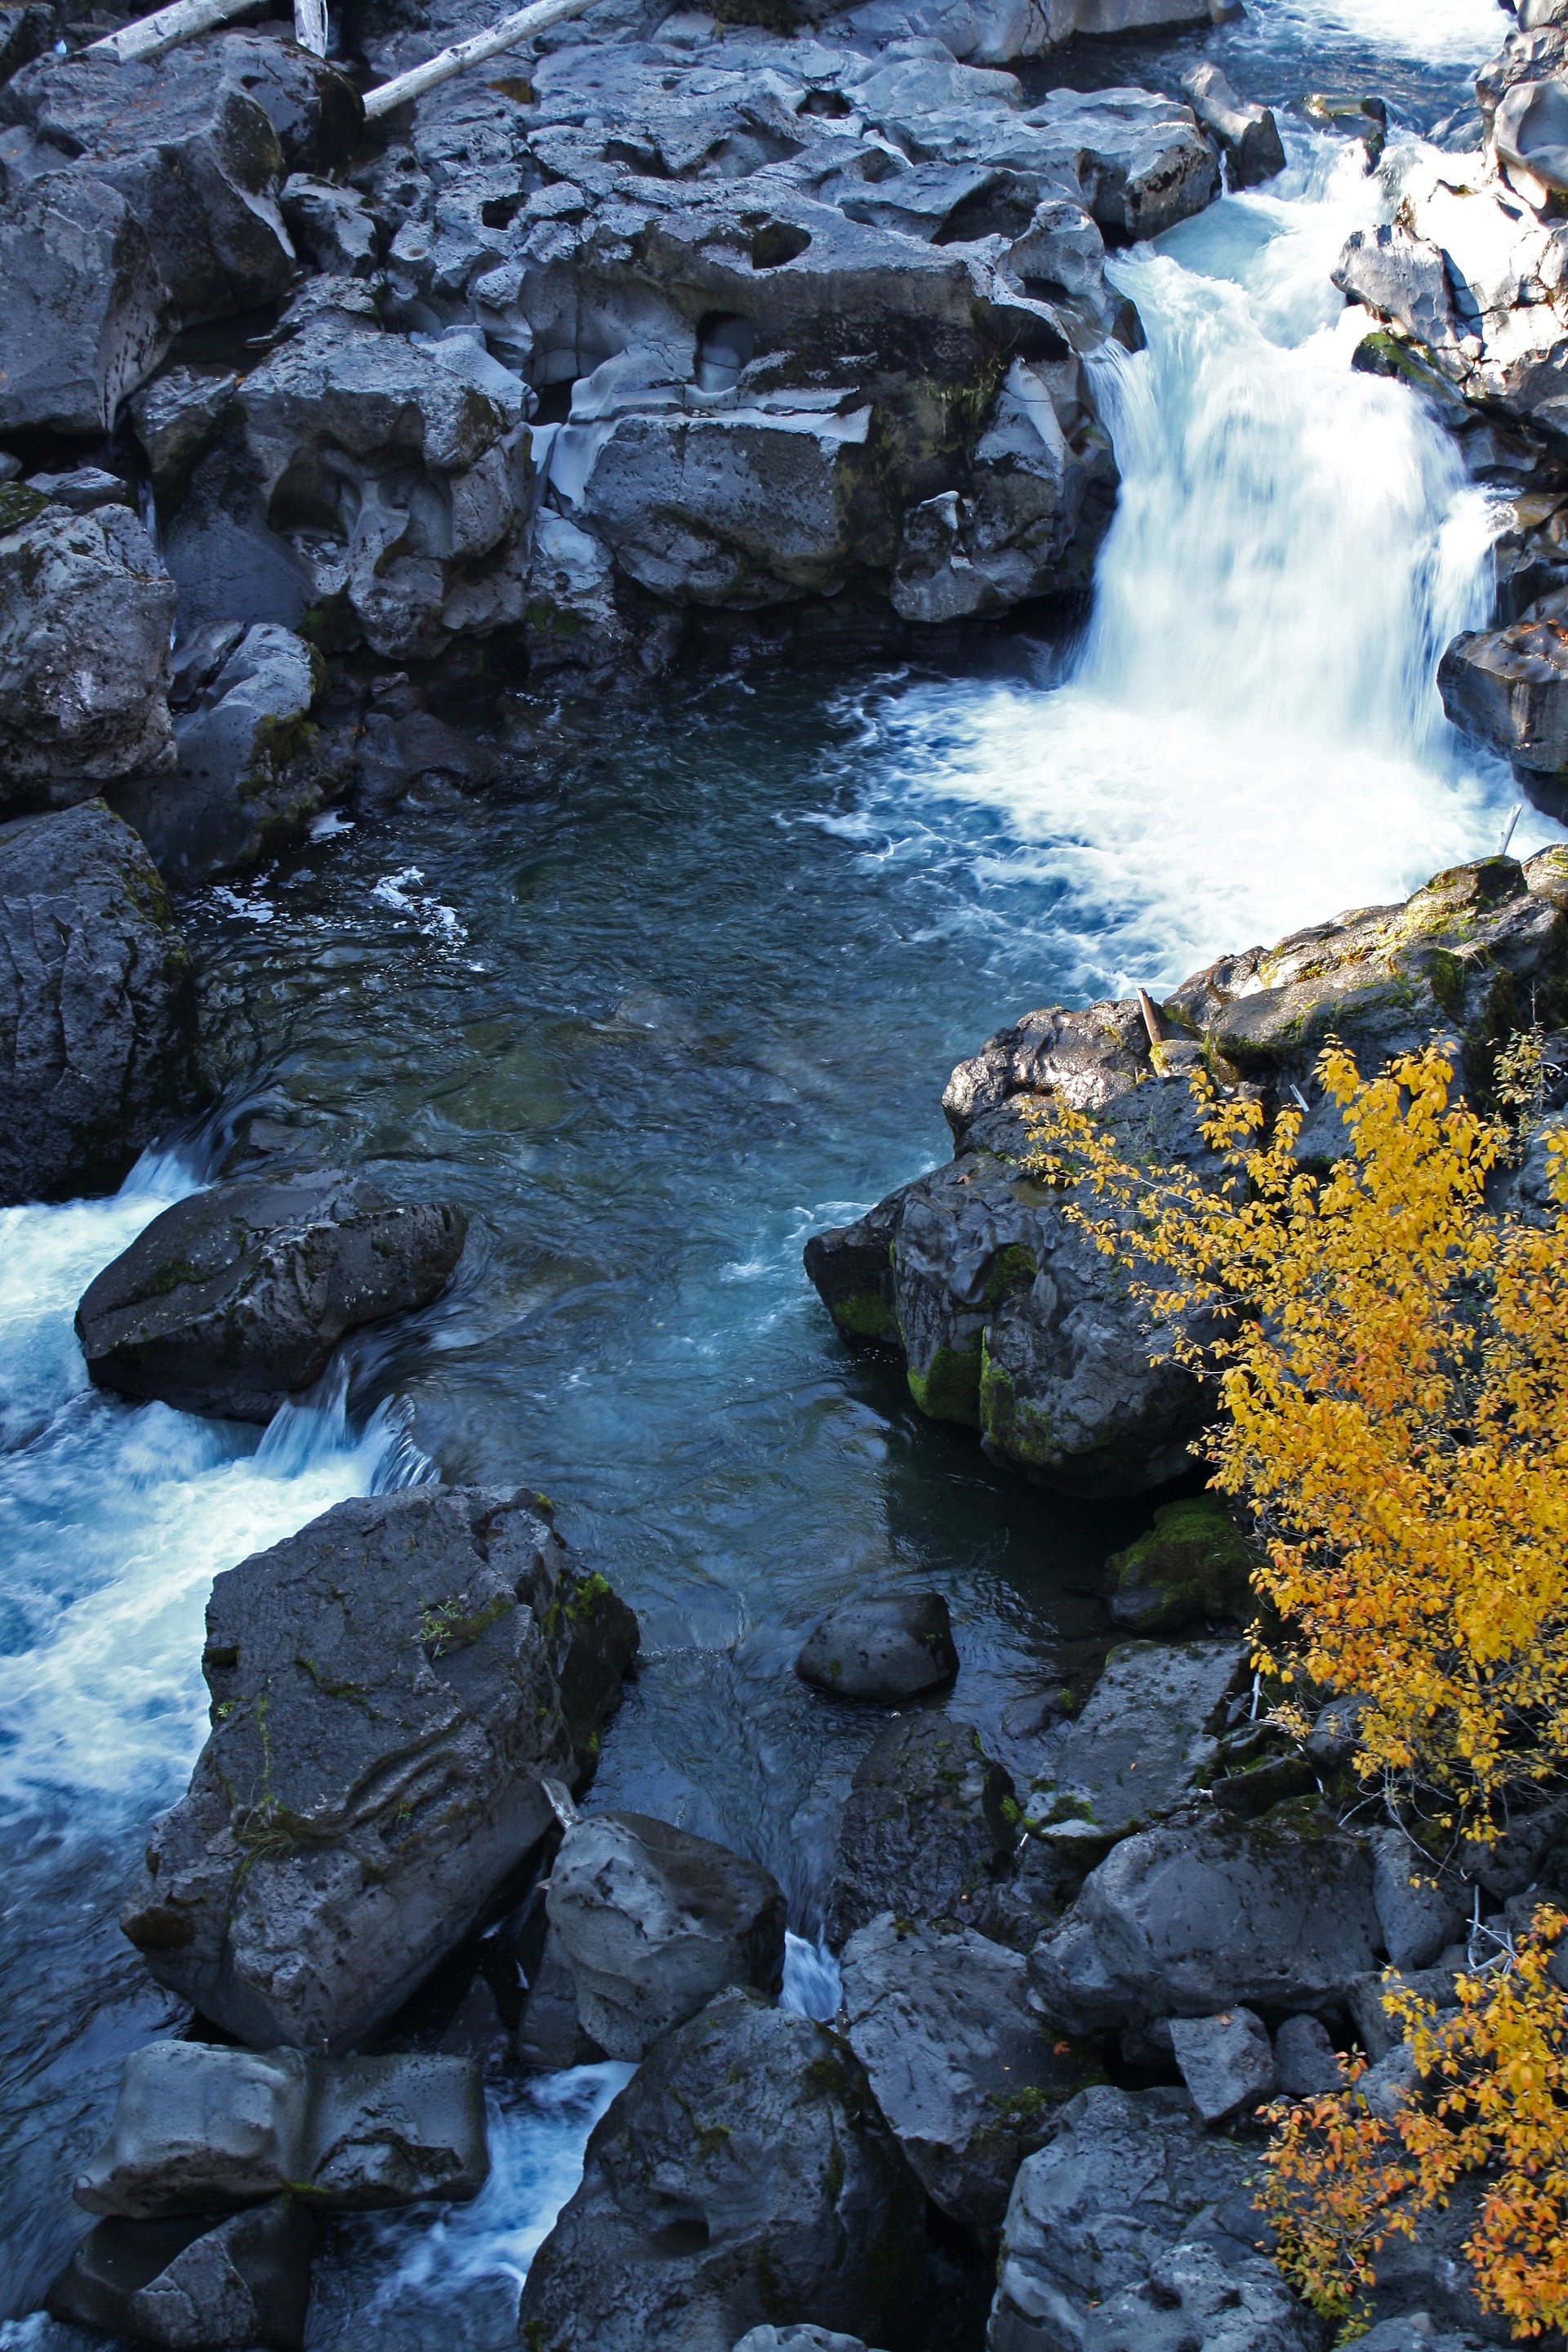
[[1251, 737]]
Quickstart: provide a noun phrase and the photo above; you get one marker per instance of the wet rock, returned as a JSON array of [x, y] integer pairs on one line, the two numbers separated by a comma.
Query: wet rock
[[1225, 2062], [198, 2126], [190, 150], [1193, 1563], [193, 2287], [893, 1648], [1140, 159], [925, 1832], [253, 765], [1145, 1737], [1248, 135], [178, 419], [1509, 687], [745, 2164], [653, 1922], [552, 2034], [967, 2074], [1121, 2183], [1305, 2060], [1176, 1919], [99, 1040], [1197, 2300], [849, 1267], [232, 1301], [85, 611], [1421, 1912], [83, 322], [389, 1687]]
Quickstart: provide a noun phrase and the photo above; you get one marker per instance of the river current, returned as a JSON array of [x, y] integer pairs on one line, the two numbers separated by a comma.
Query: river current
[[680, 989]]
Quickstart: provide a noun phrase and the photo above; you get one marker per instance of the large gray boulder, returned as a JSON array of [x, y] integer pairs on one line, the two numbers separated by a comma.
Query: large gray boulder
[[1009, 1319], [653, 1922], [194, 2287], [1421, 1909], [198, 2125], [1186, 1919], [925, 1831], [745, 2170], [888, 1647], [83, 322], [1197, 2300], [965, 2069], [234, 1299], [99, 1043], [252, 767], [1509, 687], [84, 613], [1247, 136], [1145, 1738], [1125, 2178], [390, 1689]]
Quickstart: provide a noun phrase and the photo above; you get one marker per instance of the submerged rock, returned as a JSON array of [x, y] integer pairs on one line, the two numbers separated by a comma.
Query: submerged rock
[[84, 613], [888, 1648], [1121, 2182], [198, 2126], [234, 1299], [925, 1831], [390, 1688], [965, 2069], [193, 2287], [1009, 1317], [653, 1922], [98, 1044], [1177, 1920], [253, 768], [745, 2166]]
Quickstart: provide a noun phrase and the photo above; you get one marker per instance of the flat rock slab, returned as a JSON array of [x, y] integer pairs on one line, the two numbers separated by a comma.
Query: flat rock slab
[[99, 1037], [964, 2068], [232, 1301], [744, 2165], [198, 2125], [924, 1833], [390, 1687], [1177, 1920], [1226, 2061], [653, 1922], [888, 1648], [1145, 1737]]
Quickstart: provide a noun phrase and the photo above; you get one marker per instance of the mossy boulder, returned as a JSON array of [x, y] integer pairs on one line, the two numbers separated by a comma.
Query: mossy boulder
[[1193, 1563]]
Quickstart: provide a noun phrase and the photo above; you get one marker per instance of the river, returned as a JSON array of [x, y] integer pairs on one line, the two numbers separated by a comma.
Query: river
[[682, 989]]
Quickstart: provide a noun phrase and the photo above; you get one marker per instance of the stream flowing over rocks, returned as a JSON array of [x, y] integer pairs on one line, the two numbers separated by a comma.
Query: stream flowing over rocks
[[623, 1721]]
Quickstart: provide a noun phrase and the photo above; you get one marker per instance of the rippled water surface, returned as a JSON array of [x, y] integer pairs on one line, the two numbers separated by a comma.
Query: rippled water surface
[[681, 990]]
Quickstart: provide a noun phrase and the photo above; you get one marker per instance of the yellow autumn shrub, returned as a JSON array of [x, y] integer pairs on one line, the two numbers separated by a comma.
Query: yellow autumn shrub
[[1392, 1363], [1339, 2180]]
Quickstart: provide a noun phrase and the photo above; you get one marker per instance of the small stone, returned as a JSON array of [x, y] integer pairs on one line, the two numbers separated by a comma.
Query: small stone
[[892, 1648], [1225, 2062]]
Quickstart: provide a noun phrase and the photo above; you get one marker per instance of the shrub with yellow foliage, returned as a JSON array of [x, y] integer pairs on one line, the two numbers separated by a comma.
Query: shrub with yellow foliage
[[1393, 1362]]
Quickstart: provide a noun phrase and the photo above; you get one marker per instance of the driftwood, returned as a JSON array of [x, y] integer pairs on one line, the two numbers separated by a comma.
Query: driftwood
[[151, 36], [471, 52], [310, 25]]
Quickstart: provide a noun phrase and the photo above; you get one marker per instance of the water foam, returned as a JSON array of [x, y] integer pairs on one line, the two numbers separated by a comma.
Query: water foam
[[1251, 736]]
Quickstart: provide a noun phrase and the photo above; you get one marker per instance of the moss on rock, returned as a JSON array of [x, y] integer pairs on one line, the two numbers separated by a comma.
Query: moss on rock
[[1193, 1562]]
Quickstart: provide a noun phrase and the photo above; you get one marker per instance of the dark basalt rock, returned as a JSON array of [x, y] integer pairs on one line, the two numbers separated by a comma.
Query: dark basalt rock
[[390, 1688], [1195, 1562], [98, 1009], [232, 1301], [744, 2169], [84, 318], [653, 1922], [193, 2285], [925, 1833], [84, 613], [888, 1648]]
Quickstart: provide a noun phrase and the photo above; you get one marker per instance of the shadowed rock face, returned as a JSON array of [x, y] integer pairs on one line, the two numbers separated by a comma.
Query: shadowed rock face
[[924, 1833], [1008, 1317], [232, 1301], [389, 1688], [98, 1009], [193, 2287], [745, 2167]]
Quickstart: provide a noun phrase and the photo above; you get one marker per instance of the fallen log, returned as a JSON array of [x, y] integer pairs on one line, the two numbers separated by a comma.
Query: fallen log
[[151, 36], [474, 52]]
